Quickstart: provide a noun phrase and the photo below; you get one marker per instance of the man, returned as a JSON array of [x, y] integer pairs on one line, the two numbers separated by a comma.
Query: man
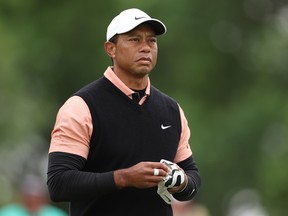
[[110, 136]]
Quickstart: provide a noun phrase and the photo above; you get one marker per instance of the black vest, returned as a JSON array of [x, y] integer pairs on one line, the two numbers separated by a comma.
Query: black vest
[[125, 133]]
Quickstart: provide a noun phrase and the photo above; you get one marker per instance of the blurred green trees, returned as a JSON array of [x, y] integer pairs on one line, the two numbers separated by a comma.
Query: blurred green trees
[[225, 63]]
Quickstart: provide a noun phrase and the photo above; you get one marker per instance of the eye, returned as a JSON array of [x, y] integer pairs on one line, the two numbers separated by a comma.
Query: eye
[[153, 40], [134, 39]]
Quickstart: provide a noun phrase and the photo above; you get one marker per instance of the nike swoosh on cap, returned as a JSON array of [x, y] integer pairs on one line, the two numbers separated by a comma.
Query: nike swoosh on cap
[[137, 18]]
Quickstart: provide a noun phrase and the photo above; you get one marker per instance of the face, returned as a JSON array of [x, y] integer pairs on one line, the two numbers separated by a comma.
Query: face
[[135, 53]]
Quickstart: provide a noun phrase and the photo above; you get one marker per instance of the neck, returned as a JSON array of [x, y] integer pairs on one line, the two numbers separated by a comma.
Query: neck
[[133, 82]]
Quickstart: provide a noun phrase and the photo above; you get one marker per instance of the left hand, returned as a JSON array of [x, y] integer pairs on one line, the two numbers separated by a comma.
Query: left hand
[[177, 179], [180, 187]]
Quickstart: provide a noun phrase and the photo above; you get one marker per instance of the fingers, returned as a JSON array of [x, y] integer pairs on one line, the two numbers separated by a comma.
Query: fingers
[[155, 172], [178, 188], [163, 169], [158, 172], [141, 175], [152, 168]]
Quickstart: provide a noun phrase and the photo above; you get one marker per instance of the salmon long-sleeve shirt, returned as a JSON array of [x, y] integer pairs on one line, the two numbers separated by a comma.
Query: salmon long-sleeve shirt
[[70, 150], [73, 127]]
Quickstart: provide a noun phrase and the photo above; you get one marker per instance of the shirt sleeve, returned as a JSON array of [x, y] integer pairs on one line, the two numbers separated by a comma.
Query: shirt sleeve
[[194, 180], [184, 151], [73, 128], [67, 182]]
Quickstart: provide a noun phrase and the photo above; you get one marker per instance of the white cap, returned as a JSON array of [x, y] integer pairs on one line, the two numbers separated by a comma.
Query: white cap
[[129, 19]]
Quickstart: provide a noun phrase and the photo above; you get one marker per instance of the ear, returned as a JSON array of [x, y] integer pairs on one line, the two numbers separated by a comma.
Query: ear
[[110, 48]]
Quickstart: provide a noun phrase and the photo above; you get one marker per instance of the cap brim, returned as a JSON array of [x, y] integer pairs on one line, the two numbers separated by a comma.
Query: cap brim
[[157, 25]]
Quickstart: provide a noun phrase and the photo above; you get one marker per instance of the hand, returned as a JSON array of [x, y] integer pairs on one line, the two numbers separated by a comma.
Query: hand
[[174, 182], [140, 175], [180, 187], [177, 180]]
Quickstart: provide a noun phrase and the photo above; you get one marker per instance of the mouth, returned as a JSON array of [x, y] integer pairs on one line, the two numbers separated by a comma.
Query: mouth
[[145, 60]]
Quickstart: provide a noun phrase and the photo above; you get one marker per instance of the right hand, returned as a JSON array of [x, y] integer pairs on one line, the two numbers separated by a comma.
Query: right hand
[[140, 175]]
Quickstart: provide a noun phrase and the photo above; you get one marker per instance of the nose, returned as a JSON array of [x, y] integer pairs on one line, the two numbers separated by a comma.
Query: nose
[[145, 46]]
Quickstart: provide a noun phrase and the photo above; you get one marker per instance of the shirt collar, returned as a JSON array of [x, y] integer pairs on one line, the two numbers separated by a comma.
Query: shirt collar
[[112, 77]]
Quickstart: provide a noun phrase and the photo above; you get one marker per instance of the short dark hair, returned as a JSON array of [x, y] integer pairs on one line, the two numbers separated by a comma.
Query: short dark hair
[[114, 39]]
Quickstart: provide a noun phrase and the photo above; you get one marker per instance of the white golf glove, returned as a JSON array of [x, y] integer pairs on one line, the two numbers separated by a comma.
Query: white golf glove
[[174, 178]]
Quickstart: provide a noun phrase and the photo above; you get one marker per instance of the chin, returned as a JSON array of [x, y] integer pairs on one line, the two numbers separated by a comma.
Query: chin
[[142, 73], [145, 70]]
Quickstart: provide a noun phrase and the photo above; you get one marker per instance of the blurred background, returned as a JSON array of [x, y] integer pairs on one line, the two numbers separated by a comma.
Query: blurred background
[[224, 61]]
